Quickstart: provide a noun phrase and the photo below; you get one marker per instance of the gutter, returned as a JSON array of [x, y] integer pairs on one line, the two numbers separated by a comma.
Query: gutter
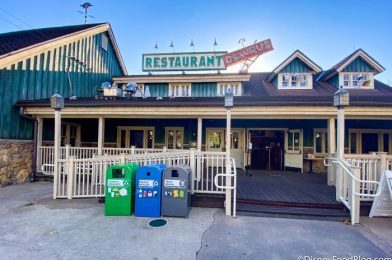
[[33, 172]]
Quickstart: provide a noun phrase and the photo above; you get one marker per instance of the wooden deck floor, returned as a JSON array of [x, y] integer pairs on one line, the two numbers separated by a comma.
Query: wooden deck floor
[[286, 187]]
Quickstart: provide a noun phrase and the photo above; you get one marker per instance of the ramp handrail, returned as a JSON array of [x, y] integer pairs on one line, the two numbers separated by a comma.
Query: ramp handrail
[[348, 186], [233, 187]]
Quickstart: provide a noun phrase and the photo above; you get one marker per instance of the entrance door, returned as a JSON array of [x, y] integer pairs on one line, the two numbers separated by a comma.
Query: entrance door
[[136, 138], [237, 147], [174, 137], [267, 149], [293, 156]]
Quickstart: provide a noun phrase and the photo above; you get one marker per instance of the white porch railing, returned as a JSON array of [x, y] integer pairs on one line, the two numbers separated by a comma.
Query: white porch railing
[[357, 179], [85, 177]]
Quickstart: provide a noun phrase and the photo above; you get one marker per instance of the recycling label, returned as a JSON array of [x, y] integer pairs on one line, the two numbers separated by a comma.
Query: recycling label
[[174, 183], [147, 184]]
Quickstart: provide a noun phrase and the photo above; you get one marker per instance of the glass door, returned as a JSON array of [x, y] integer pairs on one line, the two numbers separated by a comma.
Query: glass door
[[136, 138], [174, 137]]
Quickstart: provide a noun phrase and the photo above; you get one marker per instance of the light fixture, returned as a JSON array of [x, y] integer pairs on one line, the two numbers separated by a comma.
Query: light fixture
[[57, 101], [341, 98]]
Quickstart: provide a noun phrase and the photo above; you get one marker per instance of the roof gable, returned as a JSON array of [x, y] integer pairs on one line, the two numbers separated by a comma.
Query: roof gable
[[17, 45], [296, 62], [358, 61]]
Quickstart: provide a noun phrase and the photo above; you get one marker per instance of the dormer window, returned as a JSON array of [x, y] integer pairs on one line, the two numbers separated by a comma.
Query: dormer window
[[180, 90], [235, 87], [357, 80], [295, 81]]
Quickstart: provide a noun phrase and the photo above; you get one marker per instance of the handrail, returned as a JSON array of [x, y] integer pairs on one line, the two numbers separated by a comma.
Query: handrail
[[345, 167], [232, 187]]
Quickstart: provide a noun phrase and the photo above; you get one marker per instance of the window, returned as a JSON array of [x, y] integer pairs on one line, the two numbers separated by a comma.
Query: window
[[235, 87], [320, 141], [294, 141], [180, 90], [357, 80], [295, 80], [363, 141], [104, 42]]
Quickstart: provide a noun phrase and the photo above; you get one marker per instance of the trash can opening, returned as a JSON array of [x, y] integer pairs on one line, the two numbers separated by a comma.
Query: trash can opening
[[174, 174], [157, 223], [118, 173], [148, 173]]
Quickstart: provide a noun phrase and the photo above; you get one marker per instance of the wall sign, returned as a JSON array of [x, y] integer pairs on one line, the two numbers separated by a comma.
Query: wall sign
[[183, 61], [248, 52]]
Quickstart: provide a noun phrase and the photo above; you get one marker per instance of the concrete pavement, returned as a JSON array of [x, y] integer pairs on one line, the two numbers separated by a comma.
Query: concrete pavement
[[34, 226]]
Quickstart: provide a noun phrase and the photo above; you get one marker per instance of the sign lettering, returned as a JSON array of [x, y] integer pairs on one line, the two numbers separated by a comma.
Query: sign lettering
[[248, 52], [183, 61]]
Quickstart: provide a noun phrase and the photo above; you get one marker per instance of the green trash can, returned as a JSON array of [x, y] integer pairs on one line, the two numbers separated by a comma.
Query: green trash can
[[120, 189]]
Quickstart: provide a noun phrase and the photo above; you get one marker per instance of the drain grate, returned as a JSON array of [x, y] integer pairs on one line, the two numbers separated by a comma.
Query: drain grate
[[157, 223]]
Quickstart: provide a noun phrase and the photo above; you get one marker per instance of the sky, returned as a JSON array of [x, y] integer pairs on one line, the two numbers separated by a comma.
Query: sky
[[326, 31]]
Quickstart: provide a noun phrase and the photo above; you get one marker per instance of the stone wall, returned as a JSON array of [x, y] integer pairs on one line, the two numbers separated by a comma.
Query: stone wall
[[15, 161]]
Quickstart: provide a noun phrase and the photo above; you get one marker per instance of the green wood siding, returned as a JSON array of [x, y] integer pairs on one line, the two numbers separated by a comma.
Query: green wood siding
[[358, 65], [334, 80], [158, 89], [40, 76], [204, 89], [295, 66]]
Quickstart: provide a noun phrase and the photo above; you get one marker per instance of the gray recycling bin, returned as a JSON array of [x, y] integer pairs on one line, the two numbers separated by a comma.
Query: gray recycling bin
[[176, 191]]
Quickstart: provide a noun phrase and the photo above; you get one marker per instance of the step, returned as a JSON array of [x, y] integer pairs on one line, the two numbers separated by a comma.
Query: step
[[292, 212]]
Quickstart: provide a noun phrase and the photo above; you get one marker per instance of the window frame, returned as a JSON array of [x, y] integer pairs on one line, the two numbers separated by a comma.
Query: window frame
[[174, 128], [285, 80], [222, 88], [127, 130], [180, 87], [349, 78]]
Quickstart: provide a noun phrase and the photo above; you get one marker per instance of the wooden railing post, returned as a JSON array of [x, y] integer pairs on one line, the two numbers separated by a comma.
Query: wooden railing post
[[338, 181], [122, 158], [164, 149], [192, 164], [70, 177], [355, 199], [132, 149], [382, 164], [67, 151]]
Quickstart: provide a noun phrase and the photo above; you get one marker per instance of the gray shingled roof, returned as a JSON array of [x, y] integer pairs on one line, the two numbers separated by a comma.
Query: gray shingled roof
[[14, 41]]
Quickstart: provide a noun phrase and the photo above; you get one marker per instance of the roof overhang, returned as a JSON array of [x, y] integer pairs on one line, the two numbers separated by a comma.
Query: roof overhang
[[32, 50], [181, 78]]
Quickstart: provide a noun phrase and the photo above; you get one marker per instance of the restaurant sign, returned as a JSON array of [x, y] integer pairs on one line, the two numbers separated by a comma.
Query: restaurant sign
[[183, 61]]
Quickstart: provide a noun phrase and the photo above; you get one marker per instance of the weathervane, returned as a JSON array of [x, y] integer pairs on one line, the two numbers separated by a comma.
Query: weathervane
[[85, 6], [192, 45]]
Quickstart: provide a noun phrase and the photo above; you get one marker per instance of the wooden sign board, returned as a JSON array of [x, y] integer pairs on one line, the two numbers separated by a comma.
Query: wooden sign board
[[248, 52], [382, 204]]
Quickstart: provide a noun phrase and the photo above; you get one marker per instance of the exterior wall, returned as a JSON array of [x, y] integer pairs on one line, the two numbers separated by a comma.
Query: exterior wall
[[358, 65], [15, 161], [334, 81], [40, 76], [158, 90], [204, 89]]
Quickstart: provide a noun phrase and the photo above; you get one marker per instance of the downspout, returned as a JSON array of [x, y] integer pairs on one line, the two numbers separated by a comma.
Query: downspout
[[34, 162]]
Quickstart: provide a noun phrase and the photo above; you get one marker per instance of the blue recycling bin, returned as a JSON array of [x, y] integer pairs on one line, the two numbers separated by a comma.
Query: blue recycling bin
[[148, 190]]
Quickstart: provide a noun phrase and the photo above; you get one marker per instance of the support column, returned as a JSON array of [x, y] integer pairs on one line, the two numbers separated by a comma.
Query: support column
[[39, 143], [101, 134], [228, 163], [340, 151], [57, 141], [331, 149], [199, 132]]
